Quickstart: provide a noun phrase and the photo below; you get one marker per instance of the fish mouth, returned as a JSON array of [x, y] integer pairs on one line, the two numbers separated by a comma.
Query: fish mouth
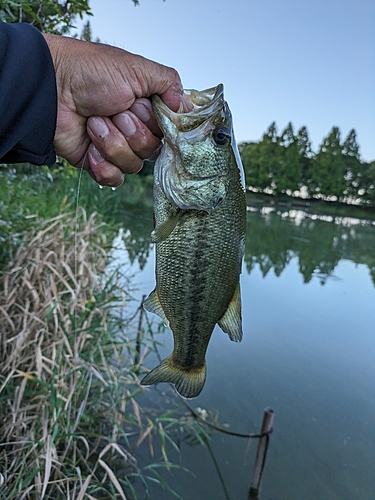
[[186, 187], [206, 103], [204, 98]]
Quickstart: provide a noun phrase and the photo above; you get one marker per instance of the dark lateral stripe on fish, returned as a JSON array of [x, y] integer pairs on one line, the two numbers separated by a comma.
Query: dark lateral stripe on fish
[[197, 288]]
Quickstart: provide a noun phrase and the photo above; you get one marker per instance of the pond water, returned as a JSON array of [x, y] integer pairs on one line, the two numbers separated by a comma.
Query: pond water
[[308, 351]]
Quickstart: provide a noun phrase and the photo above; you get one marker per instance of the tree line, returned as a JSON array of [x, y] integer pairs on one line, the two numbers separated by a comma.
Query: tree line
[[286, 164]]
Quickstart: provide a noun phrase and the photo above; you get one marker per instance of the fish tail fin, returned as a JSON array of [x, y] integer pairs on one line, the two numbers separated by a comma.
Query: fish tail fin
[[188, 383]]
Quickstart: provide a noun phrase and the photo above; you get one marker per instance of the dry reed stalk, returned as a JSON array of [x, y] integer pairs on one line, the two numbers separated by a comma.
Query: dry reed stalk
[[47, 308]]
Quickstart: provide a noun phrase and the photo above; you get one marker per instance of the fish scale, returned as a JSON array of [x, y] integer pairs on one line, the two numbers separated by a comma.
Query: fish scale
[[200, 219]]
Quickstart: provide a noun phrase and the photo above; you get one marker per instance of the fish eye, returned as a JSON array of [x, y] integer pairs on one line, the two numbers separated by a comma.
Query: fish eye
[[221, 136]]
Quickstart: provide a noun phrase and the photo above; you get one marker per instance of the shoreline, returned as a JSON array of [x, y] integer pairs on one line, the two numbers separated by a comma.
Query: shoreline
[[310, 205]]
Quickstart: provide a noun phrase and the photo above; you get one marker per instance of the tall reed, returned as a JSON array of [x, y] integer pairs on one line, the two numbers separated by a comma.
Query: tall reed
[[70, 425]]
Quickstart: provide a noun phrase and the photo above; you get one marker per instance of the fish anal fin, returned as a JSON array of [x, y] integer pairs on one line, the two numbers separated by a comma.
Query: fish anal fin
[[231, 321], [188, 383], [163, 230], [152, 304]]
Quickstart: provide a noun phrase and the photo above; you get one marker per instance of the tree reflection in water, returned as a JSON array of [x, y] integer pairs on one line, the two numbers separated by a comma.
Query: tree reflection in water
[[274, 237]]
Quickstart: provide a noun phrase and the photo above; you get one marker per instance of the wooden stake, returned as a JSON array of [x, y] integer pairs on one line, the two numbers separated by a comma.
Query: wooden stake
[[260, 459]]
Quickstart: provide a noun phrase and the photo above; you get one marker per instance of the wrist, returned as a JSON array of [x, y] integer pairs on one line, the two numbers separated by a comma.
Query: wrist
[[55, 43]]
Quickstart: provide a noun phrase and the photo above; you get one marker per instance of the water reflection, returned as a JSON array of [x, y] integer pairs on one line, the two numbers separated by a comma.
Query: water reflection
[[274, 238], [136, 217]]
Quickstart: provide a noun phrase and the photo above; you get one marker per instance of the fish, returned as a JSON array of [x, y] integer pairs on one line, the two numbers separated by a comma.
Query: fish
[[200, 221]]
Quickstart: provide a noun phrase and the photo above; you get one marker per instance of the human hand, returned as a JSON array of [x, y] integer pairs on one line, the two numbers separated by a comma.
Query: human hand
[[105, 123]]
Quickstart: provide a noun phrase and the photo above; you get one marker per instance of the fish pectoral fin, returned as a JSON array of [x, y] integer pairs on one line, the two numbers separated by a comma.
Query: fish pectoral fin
[[152, 304], [188, 383], [163, 230], [231, 321]]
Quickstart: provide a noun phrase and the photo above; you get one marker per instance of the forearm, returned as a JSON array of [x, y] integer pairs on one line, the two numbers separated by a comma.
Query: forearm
[[28, 98]]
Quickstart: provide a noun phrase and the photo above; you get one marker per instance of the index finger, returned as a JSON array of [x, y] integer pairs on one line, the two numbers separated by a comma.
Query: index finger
[[142, 108]]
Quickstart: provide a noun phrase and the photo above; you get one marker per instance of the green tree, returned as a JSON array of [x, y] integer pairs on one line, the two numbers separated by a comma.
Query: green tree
[[367, 183], [270, 156], [86, 32], [249, 152], [353, 164], [305, 153], [52, 16], [287, 176], [327, 172]]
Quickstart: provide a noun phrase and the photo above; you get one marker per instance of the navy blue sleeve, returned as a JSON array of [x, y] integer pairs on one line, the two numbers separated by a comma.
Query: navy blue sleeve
[[28, 96]]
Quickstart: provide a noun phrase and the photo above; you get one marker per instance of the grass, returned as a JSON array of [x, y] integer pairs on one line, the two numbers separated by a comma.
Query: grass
[[71, 426], [29, 195]]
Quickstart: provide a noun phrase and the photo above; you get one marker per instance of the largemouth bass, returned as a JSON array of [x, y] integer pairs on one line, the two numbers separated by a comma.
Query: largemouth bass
[[200, 219]]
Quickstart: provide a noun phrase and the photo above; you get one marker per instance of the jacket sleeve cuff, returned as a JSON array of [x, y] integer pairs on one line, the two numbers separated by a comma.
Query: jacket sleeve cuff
[[28, 96]]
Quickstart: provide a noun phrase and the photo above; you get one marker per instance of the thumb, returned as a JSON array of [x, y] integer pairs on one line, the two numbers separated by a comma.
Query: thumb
[[173, 99]]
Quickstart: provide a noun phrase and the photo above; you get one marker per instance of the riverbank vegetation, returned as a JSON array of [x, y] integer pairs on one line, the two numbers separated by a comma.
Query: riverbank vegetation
[[75, 421]]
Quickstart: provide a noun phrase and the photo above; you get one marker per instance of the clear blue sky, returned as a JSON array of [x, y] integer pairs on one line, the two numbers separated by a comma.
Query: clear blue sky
[[311, 62]]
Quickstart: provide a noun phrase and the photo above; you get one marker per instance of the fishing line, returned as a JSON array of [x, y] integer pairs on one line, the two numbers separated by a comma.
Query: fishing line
[[76, 229]]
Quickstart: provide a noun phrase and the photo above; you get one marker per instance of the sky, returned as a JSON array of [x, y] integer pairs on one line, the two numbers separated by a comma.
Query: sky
[[309, 62]]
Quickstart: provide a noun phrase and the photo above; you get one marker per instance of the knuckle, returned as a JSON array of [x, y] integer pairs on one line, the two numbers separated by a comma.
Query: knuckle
[[173, 75]]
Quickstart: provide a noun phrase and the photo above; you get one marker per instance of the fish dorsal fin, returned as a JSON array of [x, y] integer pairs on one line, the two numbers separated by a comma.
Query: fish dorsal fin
[[152, 304], [231, 321], [163, 230]]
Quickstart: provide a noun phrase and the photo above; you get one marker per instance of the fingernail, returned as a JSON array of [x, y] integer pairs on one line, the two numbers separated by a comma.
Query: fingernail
[[141, 111], [99, 127], [96, 154], [126, 125], [186, 103], [155, 154]]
